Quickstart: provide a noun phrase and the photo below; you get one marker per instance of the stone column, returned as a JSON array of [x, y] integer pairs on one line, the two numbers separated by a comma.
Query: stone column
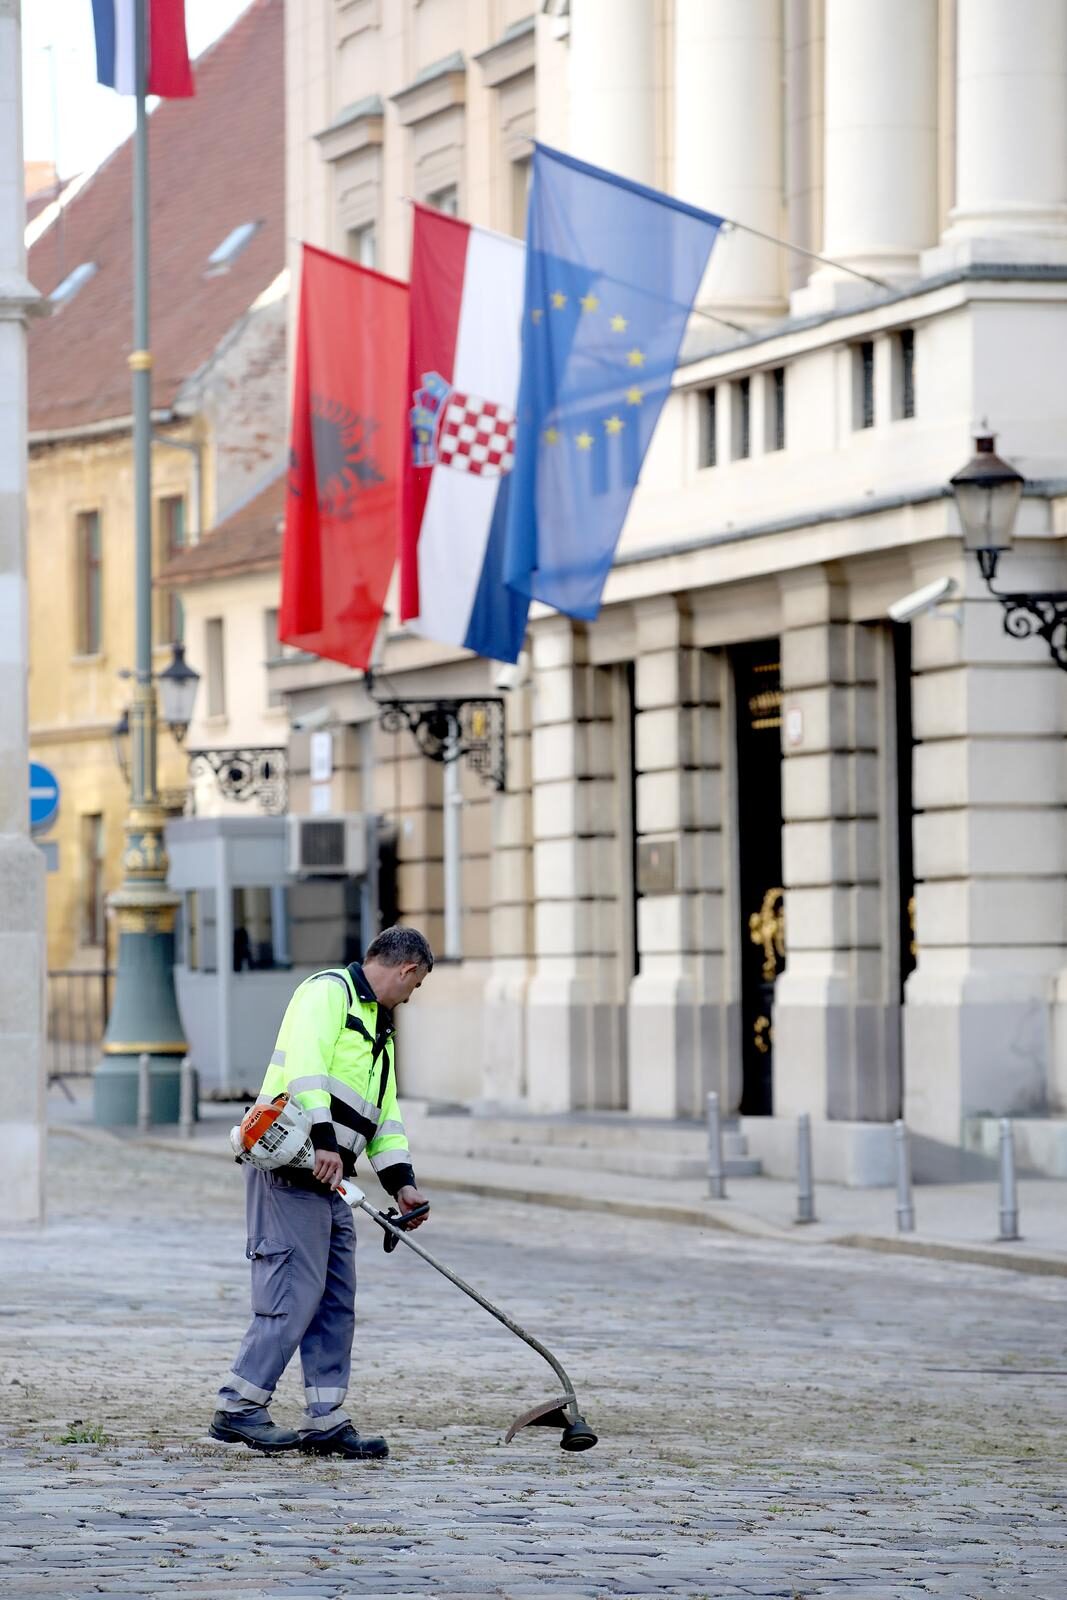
[[804, 56], [576, 1048], [728, 142], [836, 1051], [880, 153], [1011, 134], [678, 1020], [612, 86], [22, 952], [990, 713]]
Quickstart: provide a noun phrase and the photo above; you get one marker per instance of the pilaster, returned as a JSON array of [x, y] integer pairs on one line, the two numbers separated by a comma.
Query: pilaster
[[836, 1023], [678, 1012]]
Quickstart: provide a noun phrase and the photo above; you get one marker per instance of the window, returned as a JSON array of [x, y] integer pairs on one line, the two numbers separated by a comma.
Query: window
[[361, 244], [863, 385], [776, 409], [89, 582], [214, 654], [93, 896], [741, 419], [904, 373], [708, 446], [72, 283], [170, 534], [224, 255], [446, 200], [273, 651], [521, 172]]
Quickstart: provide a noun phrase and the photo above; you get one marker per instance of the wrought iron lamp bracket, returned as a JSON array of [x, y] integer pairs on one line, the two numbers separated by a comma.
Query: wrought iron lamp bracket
[[1042, 614], [451, 730], [260, 773]]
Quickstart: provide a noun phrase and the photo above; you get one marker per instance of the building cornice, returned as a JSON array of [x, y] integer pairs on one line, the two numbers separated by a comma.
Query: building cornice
[[512, 55], [358, 127]]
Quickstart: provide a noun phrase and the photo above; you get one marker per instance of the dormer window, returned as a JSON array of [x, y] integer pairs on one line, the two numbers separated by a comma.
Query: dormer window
[[224, 255], [72, 283]]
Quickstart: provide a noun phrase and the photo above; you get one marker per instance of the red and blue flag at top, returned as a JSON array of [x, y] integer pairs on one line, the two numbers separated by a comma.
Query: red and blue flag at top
[[168, 72]]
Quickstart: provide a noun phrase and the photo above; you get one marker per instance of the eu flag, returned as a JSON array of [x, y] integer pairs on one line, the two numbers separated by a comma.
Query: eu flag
[[612, 270]]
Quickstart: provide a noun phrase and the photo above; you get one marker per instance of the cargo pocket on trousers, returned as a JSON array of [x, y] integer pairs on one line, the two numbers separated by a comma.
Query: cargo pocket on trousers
[[270, 1276]]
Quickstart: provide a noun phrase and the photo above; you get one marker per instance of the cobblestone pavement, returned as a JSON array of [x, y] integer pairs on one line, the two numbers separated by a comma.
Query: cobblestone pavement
[[773, 1422]]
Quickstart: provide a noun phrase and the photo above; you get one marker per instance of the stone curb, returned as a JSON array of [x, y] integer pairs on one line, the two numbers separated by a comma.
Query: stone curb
[[740, 1225]]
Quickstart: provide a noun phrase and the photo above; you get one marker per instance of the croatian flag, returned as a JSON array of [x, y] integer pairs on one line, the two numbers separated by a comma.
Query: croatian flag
[[168, 72], [466, 317]]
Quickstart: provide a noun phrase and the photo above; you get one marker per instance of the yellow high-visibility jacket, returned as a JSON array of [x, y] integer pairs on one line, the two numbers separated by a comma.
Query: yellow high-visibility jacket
[[334, 1057]]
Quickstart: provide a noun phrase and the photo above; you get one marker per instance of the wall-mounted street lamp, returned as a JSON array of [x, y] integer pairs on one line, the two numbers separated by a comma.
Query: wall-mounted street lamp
[[987, 492]]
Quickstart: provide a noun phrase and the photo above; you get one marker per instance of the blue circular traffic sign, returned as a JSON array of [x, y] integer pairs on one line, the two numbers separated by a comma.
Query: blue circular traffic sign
[[44, 796]]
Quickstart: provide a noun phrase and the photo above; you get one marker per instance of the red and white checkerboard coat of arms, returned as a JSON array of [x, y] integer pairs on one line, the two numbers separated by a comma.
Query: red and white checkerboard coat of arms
[[462, 431]]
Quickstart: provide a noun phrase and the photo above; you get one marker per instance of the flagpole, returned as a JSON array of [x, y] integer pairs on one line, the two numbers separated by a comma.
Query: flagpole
[[144, 1016]]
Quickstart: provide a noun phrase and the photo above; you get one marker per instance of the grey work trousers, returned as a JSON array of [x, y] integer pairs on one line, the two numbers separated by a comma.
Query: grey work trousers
[[302, 1247]]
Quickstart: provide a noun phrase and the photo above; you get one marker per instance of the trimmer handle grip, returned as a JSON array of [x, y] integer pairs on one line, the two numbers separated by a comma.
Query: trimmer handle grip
[[390, 1240]]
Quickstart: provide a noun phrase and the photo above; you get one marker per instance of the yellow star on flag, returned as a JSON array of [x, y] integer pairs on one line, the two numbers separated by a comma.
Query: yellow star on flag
[[536, 314], [614, 424], [589, 302], [619, 324], [634, 396], [559, 299], [551, 436], [635, 358], [584, 441]]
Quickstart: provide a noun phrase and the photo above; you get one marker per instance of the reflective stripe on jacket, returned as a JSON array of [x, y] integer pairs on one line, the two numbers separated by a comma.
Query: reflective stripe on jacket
[[334, 1057]]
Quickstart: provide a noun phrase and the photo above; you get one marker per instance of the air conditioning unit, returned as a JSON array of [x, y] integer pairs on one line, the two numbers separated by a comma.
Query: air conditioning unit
[[331, 846]]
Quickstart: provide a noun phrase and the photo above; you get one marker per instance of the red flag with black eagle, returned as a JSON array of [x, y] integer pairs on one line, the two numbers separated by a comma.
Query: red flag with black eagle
[[349, 432]]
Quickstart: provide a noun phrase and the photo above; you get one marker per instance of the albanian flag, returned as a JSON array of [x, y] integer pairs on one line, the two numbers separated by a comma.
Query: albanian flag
[[349, 428]]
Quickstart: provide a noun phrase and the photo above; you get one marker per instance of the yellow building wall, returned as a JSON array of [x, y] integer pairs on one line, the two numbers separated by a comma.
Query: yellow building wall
[[76, 700]]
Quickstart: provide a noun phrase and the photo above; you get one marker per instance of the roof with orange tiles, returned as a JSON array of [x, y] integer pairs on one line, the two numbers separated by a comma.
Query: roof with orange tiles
[[216, 161], [248, 540]]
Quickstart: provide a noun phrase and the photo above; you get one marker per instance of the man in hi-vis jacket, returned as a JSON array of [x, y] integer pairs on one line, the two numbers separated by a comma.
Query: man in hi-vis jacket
[[334, 1057]]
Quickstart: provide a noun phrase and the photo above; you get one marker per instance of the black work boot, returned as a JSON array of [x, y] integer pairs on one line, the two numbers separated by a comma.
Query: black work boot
[[232, 1428], [345, 1442]]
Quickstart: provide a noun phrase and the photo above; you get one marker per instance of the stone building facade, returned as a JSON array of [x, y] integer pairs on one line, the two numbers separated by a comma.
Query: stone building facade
[[756, 837]]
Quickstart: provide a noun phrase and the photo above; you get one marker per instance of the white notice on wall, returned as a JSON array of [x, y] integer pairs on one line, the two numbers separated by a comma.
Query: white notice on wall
[[794, 726], [321, 799], [322, 756]]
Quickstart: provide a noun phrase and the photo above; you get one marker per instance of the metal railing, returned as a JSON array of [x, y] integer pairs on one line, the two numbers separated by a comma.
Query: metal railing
[[78, 1003]]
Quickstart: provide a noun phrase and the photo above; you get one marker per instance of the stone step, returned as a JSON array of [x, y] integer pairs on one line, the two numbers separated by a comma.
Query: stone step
[[584, 1130], [464, 1137]]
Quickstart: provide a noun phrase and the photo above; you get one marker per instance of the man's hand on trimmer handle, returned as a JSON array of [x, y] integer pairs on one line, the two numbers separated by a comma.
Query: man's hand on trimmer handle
[[408, 1199], [328, 1168]]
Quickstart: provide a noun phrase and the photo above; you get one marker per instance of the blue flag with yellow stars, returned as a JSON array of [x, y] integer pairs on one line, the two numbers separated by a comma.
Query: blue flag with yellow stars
[[612, 270]]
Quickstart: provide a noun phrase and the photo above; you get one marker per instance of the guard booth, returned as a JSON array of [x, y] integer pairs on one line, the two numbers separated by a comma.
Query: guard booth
[[265, 902]]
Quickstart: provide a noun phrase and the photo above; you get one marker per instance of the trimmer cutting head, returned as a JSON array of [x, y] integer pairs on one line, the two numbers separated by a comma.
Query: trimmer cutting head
[[559, 1413]]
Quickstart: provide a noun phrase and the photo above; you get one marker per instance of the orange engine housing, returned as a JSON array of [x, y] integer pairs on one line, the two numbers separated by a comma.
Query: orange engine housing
[[258, 1119]]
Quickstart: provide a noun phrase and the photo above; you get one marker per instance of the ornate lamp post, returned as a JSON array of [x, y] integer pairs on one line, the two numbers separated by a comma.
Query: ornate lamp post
[[987, 492], [144, 1015]]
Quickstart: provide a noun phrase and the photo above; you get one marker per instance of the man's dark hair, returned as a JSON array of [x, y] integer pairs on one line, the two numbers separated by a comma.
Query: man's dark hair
[[394, 946]]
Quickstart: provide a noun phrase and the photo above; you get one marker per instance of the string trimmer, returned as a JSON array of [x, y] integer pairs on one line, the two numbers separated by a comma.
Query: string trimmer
[[279, 1135]]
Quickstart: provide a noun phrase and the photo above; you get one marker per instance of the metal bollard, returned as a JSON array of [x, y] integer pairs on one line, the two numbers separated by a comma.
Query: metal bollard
[[144, 1094], [187, 1098], [805, 1185], [905, 1204], [1009, 1197], [716, 1174]]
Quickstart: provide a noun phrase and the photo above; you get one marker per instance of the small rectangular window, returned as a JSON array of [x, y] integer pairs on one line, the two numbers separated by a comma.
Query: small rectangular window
[[521, 172], [90, 580], [362, 245], [906, 356], [709, 449], [775, 399], [215, 662], [863, 384], [741, 418], [94, 897], [170, 622], [274, 652]]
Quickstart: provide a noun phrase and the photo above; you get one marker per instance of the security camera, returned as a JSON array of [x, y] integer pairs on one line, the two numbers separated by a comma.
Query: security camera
[[910, 606], [306, 721]]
